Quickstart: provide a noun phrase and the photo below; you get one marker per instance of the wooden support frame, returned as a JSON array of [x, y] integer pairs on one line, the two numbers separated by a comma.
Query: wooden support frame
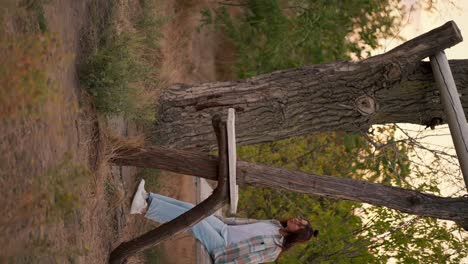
[[407, 201], [453, 109], [232, 156], [190, 218]]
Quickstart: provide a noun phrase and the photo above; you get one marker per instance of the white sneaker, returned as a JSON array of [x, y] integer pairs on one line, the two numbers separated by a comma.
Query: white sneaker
[[139, 203]]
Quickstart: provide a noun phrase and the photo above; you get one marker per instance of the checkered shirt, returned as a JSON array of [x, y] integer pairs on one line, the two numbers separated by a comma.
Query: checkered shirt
[[258, 249]]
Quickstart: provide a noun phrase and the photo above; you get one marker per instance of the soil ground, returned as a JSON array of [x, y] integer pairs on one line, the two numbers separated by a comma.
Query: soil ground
[[62, 149]]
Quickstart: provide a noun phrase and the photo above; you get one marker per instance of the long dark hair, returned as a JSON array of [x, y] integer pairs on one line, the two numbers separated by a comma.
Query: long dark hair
[[301, 236]]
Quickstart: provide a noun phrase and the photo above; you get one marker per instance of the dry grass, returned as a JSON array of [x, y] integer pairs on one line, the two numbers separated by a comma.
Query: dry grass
[[122, 73], [43, 179], [23, 73]]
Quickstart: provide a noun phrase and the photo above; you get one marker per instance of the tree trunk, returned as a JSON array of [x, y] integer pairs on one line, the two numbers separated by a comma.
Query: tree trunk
[[408, 201], [345, 96]]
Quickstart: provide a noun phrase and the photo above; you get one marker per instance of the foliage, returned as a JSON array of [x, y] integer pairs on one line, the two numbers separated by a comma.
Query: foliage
[[395, 236], [273, 35], [393, 160], [120, 75], [347, 230], [321, 154], [385, 161]]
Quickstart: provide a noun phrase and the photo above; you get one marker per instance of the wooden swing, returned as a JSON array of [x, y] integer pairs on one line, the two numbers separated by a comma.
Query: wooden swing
[[225, 191], [225, 167]]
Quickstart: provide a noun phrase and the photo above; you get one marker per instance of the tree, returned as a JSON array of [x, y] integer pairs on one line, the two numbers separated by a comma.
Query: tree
[[342, 96], [316, 32]]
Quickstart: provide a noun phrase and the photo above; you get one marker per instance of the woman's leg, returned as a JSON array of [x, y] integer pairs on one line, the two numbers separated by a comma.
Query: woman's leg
[[212, 220], [171, 200], [163, 209]]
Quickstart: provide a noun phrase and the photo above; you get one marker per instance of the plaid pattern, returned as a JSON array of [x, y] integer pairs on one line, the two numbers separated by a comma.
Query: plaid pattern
[[258, 249]]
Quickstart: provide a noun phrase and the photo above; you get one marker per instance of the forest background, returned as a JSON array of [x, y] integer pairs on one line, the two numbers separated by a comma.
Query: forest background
[[274, 35]]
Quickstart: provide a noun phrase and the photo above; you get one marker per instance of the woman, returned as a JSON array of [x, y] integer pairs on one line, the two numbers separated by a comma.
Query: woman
[[228, 240]]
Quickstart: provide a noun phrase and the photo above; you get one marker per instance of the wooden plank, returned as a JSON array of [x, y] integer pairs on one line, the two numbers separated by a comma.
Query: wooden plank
[[453, 109], [258, 97], [257, 175], [232, 156]]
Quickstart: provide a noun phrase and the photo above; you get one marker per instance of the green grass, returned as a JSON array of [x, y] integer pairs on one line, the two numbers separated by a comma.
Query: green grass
[[36, 8], [270, 35], [121, 74]]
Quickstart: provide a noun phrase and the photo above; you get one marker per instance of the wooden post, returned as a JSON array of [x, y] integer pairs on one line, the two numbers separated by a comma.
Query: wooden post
[[232, 155], [453, 109]]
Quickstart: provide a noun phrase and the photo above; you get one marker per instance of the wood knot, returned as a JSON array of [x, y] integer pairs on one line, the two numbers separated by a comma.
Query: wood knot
[[392, 72], [366, 105]]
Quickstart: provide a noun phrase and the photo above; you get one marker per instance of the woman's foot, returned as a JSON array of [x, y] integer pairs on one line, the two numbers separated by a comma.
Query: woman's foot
[[139, 204]]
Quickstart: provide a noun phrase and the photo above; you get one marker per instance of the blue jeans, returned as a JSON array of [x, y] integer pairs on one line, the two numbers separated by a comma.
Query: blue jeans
[[163, 209]]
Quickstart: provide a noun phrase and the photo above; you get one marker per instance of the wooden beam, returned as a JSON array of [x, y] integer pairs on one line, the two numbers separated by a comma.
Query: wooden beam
[[308, 99], [423, 46], [453, 109], [180, 161], [232, 154], [408, 201]]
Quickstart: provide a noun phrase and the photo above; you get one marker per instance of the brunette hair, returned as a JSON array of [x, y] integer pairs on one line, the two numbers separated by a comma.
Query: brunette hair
[[300, 236]]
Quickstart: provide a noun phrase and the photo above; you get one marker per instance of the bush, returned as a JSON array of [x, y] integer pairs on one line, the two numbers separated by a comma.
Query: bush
[[107, 77], [272, 35], [121, 74]]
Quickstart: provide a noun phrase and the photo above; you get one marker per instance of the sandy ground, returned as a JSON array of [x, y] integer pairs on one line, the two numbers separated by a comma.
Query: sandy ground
[[68, 129]]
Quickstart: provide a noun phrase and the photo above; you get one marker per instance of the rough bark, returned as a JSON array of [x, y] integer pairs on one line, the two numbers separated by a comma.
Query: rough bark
[[345, 96], [408, 201], [188, 219]]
